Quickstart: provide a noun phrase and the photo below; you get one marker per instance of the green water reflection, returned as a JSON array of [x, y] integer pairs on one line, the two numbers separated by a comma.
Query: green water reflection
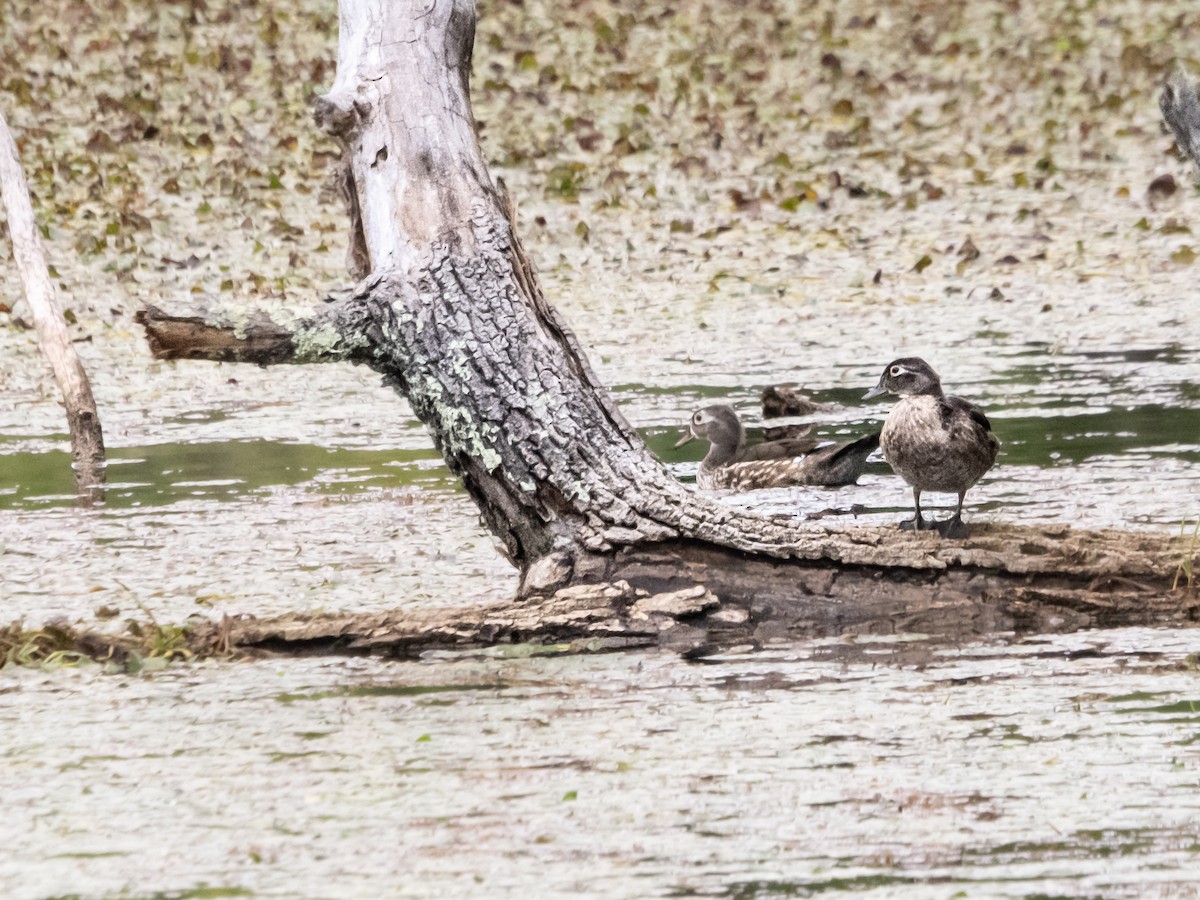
[[161, 474]]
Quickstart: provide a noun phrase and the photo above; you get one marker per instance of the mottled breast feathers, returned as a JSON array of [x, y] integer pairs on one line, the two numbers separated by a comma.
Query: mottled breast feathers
[[938, 443]]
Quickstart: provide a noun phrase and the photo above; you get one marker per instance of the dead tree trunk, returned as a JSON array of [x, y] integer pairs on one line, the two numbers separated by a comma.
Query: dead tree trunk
[[448, 309], [1181, 111], [83, 422]]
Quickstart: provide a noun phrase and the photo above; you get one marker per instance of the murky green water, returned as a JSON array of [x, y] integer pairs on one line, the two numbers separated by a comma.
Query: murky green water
[[162, 474], [1064, 431], [1031, 767], [344, 504], [1061, 766]]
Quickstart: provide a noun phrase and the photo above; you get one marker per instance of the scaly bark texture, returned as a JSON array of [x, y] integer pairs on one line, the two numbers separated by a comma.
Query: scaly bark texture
[[83, 422], [1181, 110], [449, 311]]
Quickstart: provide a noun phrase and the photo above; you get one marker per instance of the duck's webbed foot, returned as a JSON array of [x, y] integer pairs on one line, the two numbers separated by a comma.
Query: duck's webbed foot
[[917, 522], [954, 528]]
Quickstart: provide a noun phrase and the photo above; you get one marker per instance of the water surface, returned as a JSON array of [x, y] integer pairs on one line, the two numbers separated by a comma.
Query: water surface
[[1063, 766]]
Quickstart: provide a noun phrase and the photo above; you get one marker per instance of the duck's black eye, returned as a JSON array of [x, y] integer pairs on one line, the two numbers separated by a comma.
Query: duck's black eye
[[896, 371], [698, 418]]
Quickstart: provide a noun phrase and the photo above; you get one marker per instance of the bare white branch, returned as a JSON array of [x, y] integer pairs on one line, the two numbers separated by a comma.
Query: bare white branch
[[87, 440]]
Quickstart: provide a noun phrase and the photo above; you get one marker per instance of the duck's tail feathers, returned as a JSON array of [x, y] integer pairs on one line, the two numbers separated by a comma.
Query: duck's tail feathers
[[843, 463]]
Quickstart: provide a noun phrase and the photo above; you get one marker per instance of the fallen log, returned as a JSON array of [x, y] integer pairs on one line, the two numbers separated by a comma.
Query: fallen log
[[715, 601]]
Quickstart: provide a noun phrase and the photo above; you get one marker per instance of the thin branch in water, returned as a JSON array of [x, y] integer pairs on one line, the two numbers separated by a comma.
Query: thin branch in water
[[83, 421]]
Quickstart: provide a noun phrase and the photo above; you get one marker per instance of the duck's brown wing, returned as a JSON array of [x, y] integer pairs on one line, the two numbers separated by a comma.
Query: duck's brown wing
[[953, 407], [839, 463], [751, 476], [830, 466], [968, 425], [786, 448]]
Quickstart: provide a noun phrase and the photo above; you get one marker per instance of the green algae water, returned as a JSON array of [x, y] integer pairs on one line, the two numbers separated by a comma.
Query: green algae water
[[1146, 438], [162, 474]]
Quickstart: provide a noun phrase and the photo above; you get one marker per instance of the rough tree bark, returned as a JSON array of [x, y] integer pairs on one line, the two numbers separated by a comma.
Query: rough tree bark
[[1181, 110], [448, 309], [83, 422]]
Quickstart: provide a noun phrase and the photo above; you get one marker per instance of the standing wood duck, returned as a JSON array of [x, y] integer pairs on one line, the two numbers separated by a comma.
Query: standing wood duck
[[730, 463], [933, 442]]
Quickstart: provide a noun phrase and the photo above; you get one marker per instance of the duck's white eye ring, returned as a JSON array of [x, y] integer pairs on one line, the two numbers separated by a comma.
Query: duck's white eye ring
[[896, 371], [698, 418]]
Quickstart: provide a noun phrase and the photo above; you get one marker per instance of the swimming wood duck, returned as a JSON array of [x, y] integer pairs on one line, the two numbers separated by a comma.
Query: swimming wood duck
[[933, 442], [730, 463], [785, 400]]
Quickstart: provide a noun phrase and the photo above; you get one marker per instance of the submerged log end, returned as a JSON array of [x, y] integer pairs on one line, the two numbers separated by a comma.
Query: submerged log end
[[189, 337]]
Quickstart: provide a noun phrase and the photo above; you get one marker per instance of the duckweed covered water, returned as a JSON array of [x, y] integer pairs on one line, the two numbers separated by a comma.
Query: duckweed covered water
[[1062, 766], [887, 768]]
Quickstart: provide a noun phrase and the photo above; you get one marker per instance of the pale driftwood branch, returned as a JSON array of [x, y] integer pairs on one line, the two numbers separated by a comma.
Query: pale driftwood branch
[[87, 438], [1181, 110], [261, 337]]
